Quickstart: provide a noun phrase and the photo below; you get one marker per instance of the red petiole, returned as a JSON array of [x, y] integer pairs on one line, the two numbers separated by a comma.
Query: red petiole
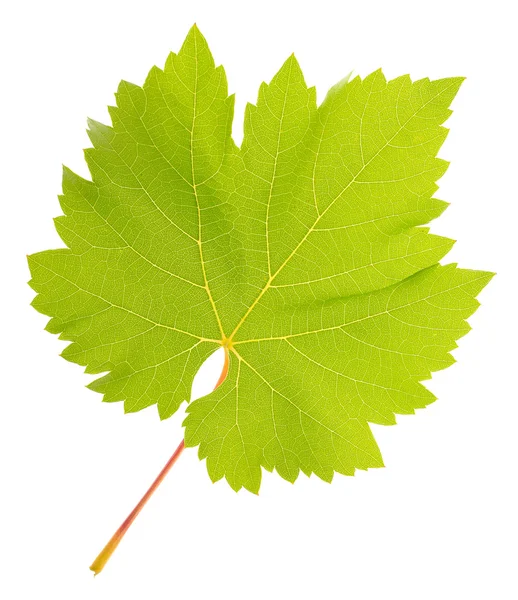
[[101, 560]]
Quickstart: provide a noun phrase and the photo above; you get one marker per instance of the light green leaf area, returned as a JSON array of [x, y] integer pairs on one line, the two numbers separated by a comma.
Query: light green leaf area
[[302, 252]]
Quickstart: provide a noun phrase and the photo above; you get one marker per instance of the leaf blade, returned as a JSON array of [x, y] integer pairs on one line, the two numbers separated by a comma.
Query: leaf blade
[[304, 253]]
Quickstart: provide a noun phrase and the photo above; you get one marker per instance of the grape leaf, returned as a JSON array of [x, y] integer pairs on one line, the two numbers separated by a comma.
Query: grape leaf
[[302, 252]]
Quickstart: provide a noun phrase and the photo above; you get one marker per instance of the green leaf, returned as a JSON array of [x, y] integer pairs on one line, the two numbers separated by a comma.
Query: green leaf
[[303, 253]]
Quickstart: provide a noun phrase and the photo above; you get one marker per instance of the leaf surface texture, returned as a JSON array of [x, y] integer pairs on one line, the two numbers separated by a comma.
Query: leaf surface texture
[[304, 252]]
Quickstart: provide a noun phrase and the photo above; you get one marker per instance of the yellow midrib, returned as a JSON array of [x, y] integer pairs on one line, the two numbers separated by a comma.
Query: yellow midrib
[[194, 187]]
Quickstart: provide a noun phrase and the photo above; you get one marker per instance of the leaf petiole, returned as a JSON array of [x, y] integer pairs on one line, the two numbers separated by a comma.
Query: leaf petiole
[[98, 565]]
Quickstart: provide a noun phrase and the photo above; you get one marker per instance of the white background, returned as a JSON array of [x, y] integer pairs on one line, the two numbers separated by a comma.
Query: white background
[[439, 522]]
